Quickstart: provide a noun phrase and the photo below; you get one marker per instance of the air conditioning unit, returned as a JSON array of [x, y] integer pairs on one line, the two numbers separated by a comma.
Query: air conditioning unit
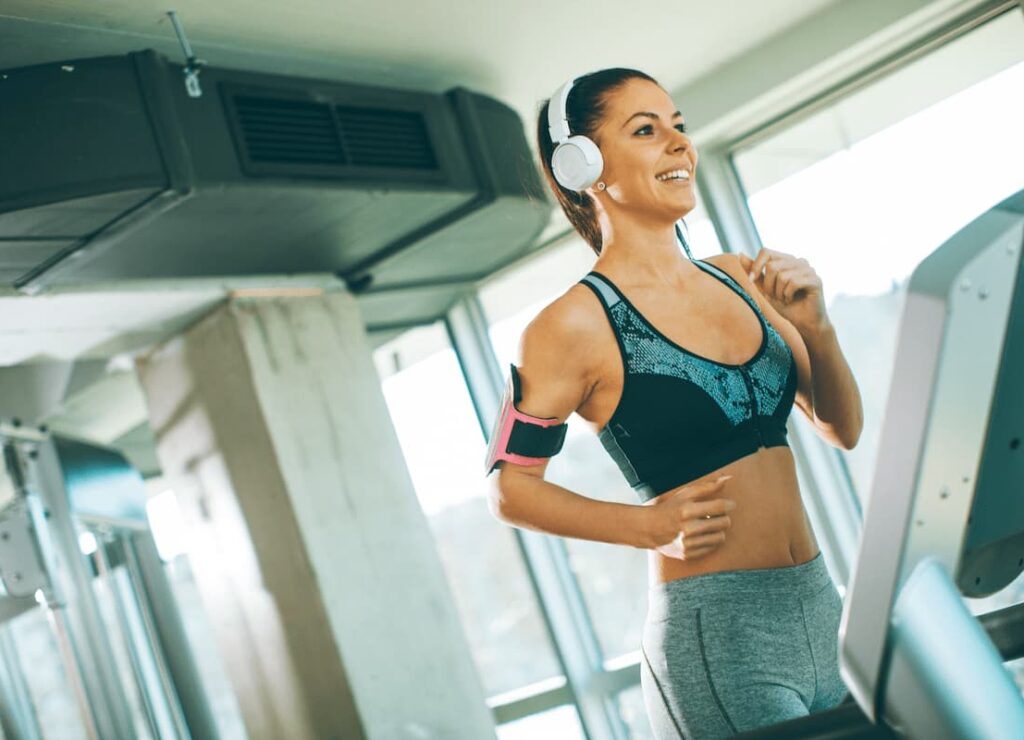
[[110, 171]]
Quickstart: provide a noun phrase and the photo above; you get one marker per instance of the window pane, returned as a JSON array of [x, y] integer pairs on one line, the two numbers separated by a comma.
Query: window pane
[[701, 234], [56, 707], [199, 631], [634, 714], [105, 591], [867, 188], [560, 722], [444, 450], [613, 580]]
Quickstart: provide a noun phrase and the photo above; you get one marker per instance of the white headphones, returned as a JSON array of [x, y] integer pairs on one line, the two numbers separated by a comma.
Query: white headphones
[[576, 161]]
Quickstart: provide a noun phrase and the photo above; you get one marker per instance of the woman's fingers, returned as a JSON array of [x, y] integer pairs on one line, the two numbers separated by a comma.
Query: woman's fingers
[[697, 527], [712, 539], [760, 262], [792, 281], [787, 282], [688, 523], [771, 281], [700, 509], [775, 272]]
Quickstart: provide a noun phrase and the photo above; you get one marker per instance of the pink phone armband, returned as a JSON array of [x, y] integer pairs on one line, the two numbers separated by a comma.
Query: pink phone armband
[[521, 438]]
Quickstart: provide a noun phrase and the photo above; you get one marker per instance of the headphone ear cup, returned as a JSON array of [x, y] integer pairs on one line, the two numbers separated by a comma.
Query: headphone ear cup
[[577, 163]]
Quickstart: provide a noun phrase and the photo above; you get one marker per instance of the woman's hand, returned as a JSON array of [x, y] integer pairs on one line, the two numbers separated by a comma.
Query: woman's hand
[[792, 287], [687, 523]]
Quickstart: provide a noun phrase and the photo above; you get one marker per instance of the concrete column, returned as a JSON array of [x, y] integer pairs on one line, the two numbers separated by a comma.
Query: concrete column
[[313, 557]]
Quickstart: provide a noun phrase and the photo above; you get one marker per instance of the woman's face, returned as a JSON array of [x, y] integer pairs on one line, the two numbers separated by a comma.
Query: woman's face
[[641, 138]]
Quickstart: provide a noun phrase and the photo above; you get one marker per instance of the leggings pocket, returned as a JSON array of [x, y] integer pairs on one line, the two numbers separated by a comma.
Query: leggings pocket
[[707, 672], [756, 660]]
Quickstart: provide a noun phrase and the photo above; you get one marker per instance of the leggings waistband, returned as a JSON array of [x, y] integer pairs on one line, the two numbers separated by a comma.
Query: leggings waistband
[[802, 581]]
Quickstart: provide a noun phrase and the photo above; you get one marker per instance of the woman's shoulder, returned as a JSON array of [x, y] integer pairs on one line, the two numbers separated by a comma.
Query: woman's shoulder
[[569, 320], [556, 355], [726, 262], [731, 264]]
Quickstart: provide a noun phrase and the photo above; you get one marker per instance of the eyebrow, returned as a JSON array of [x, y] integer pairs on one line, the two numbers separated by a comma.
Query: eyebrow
[[677, 114]]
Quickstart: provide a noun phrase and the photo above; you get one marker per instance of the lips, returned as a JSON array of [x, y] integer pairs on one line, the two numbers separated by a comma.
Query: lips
[[679, 173]]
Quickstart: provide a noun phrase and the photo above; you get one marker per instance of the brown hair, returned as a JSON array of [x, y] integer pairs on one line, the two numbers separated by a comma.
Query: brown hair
[[585, 108]]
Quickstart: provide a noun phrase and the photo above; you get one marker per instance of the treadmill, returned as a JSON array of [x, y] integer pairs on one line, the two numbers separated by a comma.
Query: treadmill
[[945, 515]]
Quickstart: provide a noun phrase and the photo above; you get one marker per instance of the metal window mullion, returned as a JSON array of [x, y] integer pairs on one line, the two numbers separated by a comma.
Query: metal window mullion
[[554, 693], [725, 202], [829, 493], [155, 596], [105, 579], [146, 645], [931, 35], [545, 557], [18, 718], [73, 612]]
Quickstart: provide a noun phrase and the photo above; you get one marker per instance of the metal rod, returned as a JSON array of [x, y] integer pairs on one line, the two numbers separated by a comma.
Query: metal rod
[[58, 624], [186, 47], [192, 65], [105, 579], [148, 622]]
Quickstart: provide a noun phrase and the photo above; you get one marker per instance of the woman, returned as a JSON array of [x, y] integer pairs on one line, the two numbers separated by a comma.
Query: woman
[[687, 370]]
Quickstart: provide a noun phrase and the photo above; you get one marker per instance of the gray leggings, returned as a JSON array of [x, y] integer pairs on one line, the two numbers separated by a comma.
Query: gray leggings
[[732, 651]]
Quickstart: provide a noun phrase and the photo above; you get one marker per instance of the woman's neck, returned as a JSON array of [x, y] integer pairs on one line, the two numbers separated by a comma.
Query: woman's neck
[[641, 252]]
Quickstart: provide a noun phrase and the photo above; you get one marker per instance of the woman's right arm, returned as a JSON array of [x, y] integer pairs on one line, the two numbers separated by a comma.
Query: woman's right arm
[[555, 380], [556, 376]]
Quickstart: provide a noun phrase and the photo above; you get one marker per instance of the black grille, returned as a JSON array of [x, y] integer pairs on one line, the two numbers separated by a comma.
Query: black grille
[[288, 131], [386, 138]]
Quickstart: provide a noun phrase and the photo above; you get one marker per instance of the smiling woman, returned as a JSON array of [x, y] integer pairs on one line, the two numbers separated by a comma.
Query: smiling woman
[[573, 163], [687, 370]]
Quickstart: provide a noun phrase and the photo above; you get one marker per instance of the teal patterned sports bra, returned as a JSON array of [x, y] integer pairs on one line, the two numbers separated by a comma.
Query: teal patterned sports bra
[[682, 416]]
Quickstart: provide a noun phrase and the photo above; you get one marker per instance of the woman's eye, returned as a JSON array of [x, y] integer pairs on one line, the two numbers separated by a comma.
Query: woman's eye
[[647, 128]]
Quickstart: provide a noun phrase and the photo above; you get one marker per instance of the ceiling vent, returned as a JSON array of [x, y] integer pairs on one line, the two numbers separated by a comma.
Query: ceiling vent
[[110, 171], [383, 138], [288, 131]]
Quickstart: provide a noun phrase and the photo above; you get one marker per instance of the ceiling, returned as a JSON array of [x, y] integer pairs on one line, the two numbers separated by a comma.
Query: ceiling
[[518, 52]]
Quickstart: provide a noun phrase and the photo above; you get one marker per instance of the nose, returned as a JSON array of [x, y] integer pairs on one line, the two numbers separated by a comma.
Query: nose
[[680, 141]]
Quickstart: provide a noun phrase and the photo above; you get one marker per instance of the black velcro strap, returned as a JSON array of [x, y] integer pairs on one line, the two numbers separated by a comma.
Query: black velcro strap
[[532, 440]]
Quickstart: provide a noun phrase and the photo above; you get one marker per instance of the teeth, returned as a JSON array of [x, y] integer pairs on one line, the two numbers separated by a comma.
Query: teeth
[[674, 175]]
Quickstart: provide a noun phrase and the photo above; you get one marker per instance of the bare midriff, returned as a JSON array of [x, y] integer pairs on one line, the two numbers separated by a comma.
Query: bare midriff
[[769, 525]]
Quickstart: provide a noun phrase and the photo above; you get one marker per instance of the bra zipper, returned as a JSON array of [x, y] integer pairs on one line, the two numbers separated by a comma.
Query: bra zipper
[[754, 411]]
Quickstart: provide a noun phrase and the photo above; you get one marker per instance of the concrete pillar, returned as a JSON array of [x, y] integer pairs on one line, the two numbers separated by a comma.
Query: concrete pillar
[[313, 557]]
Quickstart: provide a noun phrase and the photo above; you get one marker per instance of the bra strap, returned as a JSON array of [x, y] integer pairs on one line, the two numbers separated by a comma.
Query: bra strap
[[608, 295], [728, 280]]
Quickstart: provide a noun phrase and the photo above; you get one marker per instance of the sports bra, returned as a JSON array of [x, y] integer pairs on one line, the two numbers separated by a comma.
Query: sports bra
[[680, 415]]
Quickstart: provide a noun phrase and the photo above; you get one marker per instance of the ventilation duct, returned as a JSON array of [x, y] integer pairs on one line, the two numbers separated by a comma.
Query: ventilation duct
[[110, 171]]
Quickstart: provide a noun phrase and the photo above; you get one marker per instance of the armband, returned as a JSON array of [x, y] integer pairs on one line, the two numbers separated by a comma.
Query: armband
[[521, 438]]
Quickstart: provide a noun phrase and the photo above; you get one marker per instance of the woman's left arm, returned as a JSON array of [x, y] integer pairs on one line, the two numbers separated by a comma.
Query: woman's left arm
[[791, 298]]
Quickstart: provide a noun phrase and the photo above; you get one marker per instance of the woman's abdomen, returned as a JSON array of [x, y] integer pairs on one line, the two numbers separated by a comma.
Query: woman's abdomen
[[769, 526]]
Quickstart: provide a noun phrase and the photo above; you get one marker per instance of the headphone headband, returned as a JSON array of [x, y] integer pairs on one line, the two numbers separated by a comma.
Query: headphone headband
[[558, 117]]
